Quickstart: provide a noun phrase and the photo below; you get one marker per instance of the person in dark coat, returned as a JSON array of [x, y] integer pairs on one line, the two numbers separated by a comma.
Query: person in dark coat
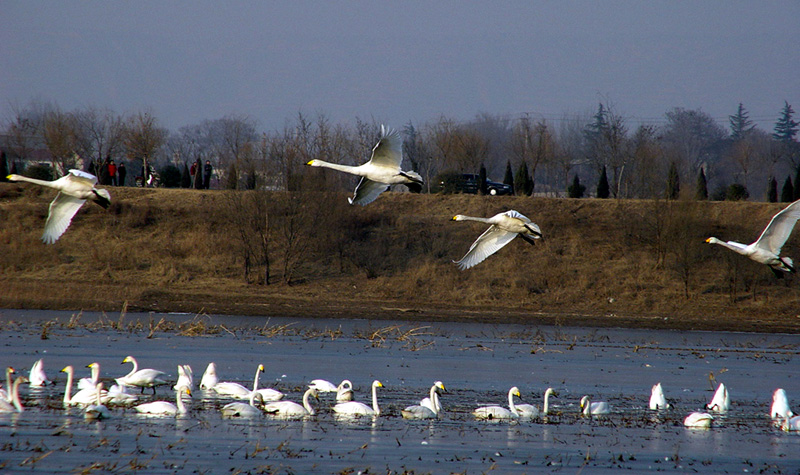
[[121, 171], [207, 169]]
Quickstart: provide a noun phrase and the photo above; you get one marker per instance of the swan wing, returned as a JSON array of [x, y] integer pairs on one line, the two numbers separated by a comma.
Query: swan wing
[[516, 214], [62, 209], [779, 228], [353, 407], [83, 174], [323, 386], [367, 191], [492, 240], [418, 412], [388, 152]]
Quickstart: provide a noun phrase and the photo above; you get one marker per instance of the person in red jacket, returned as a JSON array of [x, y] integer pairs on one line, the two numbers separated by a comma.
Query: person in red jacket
[[112, 172]]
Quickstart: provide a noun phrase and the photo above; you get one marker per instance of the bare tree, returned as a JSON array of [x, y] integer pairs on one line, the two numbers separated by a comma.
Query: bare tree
[[532, 144], [98, 134], [143, 137], [59, 136]]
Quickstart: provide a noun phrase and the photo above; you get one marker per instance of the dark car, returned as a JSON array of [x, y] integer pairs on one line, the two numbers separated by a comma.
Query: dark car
[[470, 183]]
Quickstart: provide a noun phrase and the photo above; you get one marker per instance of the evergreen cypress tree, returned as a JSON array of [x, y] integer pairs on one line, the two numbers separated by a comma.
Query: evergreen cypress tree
[[673, 182], [787, 192], [233, 177], [508, 179], [702, 186], [575, 190], [186, 177], [522, 182], [3, 166], [482, 189], [198, 175], [772, 190], [602, 186], [786, 127], [796, 187], [740, 123]]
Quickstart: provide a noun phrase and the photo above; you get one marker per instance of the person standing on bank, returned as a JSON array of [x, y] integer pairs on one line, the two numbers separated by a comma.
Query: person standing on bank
[[121, 171], [207, 169], [112, 173]]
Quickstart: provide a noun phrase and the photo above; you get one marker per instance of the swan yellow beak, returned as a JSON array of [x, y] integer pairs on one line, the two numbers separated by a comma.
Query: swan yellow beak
[[261, 367], [708, 240], [310, 162], [453, 218], [380, 384]]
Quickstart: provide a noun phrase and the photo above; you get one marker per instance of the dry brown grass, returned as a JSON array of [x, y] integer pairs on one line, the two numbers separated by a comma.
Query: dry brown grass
[[602, 262]]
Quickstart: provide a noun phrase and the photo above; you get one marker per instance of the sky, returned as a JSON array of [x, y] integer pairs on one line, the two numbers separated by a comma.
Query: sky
[[395, 62]]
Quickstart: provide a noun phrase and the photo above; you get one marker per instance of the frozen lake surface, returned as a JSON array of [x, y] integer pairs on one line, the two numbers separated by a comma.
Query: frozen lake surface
[[477, 363]]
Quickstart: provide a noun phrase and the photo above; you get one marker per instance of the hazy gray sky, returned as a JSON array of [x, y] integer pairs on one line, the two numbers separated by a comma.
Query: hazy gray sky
[[398, 61]]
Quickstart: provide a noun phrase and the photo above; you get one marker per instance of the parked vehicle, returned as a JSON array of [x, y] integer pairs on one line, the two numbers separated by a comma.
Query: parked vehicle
[[470, 183]]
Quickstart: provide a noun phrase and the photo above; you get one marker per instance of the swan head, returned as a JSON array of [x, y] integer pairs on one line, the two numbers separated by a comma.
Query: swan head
[[128, 359], [313, 163], [92, 365], [712, 240], [458, 217], [377, 384], [345, 384], [515, 392], [550, 392], [102, 197], [67, 369], [584, 402], [261, 368], [440, 385]]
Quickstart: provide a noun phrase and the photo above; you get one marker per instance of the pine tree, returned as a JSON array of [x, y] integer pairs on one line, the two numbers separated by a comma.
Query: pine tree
[[523, 181], [740, 123], [602, 186], [772, 190], [673, 182], [3, 166], [575, 190], [787, 192], [508, 179], [702, 186], [786, 127], [198, 175], [482, 189]]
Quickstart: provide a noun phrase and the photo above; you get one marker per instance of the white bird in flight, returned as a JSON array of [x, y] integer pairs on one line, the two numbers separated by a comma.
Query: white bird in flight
[[74, 189], [767, 249], [504, 228], [382, 169]]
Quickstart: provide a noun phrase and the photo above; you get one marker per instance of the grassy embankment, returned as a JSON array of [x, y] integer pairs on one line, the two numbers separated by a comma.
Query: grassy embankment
[[603, 262]]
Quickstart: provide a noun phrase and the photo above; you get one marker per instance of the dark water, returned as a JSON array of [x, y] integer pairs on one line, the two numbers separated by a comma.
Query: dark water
[[477, 363]]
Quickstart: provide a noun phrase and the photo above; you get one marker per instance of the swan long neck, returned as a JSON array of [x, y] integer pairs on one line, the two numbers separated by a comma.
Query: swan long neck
[[131, 359], [511, 406], [435, 402], [99, 387], [461, 217], [68, 389], [8, 380], [95, 373], [375, 400], [255, 380], [179, 401], [546, 407], [15, 395], [306, 403], [335, 166], [587, 408], [732, 245], [49, 184]]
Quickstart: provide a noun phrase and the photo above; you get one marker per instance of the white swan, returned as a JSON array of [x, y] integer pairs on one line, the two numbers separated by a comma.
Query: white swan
[[209, 379], [322, 386], [142, 378], [15, 405], [242, 410], [721, 402], [589, 408], [382, 169], [767, 248], [5, 394], [185, 377], [698, 420], [355, 408], [97, 410], [498, 412], [791, 424], [504, 228], [74, 189], [426, 411], [164, 408], [91, 382], [37, 376], [118, 396], [238, 391], [344, 392], [657, 399], [780, 405], [529, 411], [292, 409], [84, 396]]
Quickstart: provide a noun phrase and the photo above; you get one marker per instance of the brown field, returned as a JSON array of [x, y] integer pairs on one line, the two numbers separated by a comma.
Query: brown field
[[603, 262]]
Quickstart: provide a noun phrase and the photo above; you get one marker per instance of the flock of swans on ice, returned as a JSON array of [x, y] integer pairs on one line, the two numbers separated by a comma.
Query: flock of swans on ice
[[383, 170], [95, 399]]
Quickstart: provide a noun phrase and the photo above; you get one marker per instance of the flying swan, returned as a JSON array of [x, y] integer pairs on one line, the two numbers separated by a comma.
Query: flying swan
[[74, 189], [767, 249], [382, 169], [504, 228]]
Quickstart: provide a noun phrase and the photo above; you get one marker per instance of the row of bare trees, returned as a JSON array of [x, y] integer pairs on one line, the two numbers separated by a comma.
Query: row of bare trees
[[637, 157]]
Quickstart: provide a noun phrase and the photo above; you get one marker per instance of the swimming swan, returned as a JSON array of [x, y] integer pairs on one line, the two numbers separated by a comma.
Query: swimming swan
[[780, 405], [37, 376], [721, 402], [322, 386], [74, 189], [97, 410], [657, 399], [429, 411], [292, 409], [240, 409], [589, 408], [164, 408], [91, 382], [15, 405], [698, 420], [209, 379], [504, 228], [185, 377], [344, 392], [529, 411], [5, 394], [497, 412], [238, 391], [382, 169], [142, 378], [355, 408], [84, 396], [767, 248]]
